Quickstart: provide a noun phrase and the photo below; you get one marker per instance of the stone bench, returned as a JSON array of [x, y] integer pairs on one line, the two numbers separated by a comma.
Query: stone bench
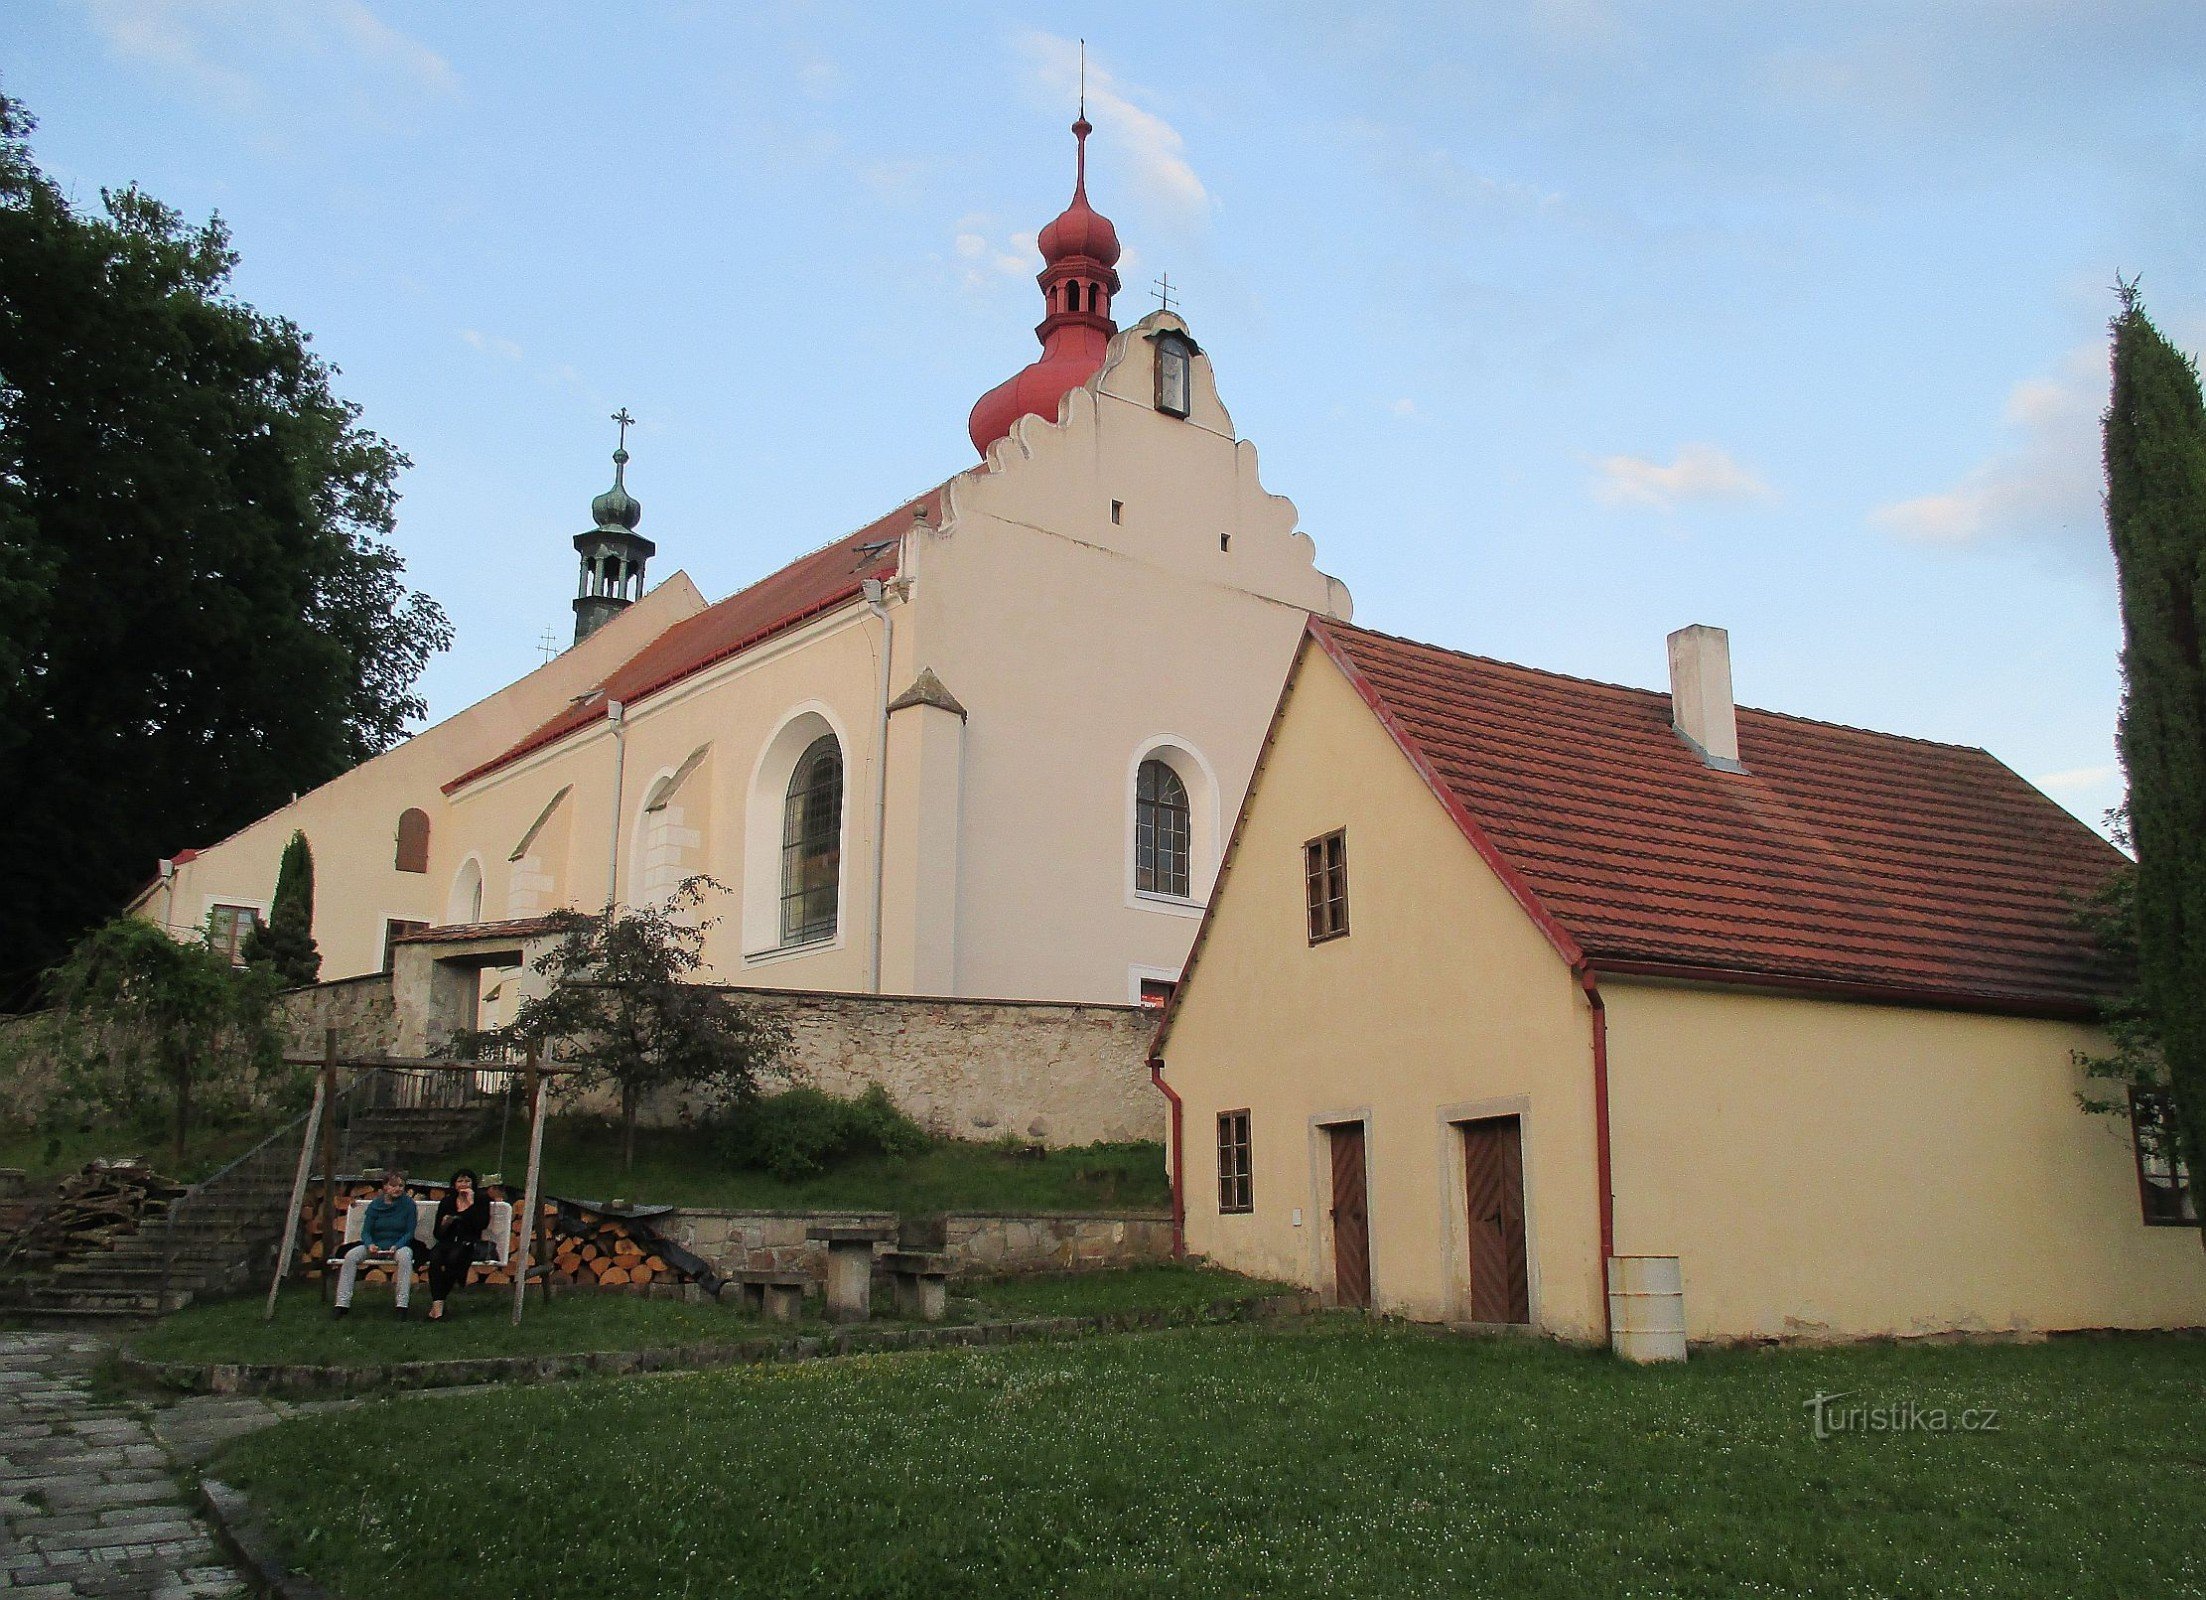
[[775, 1294], [922, 1283]]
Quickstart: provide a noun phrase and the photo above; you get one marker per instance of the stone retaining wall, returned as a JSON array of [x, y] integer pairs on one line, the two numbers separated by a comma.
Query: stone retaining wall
[[1054, 1074], [978, 1244], [362, 1011]]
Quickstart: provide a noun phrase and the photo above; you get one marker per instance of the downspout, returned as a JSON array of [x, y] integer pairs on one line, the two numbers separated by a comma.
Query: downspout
[[876, 594], [1178, 1161], [613, 714], [1603, 1174]]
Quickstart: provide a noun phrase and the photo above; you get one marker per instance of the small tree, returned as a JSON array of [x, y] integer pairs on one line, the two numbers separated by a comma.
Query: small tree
[[285, 942], [624, 1009], [138, 1011], [2156, 515]]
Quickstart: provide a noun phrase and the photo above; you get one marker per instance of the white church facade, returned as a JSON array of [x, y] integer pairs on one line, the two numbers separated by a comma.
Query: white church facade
[[990, 745]]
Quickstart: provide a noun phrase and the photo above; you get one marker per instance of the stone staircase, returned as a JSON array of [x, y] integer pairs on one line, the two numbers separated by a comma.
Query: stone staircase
[[215, 1238], [220, 1237]]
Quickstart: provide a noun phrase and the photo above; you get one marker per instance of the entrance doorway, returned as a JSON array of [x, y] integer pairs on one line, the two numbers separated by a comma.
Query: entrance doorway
[[1493, 1185], [1351, 1217]]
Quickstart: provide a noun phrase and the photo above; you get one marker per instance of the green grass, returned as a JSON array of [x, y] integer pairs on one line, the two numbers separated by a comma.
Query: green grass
[[479, 1320], [1341, 1461], [680, 1166], [46, 1157], [1165, 1287], [478, 1323]]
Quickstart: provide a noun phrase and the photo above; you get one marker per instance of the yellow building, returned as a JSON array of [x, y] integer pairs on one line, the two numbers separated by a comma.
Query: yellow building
[[1511, 975], [986, 746]]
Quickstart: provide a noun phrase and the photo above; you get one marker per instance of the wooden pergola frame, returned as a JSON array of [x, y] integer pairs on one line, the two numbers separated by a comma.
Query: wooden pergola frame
[[320, 1122]]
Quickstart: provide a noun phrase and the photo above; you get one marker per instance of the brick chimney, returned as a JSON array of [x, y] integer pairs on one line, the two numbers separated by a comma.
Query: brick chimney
[[1701, 708]]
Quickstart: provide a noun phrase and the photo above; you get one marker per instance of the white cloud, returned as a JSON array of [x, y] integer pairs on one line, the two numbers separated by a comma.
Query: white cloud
[[1152, 147], [1404, 407], [210, 47], [2077, 778], [2044, 482], [490, 344], [1700, 472], [986, 259]]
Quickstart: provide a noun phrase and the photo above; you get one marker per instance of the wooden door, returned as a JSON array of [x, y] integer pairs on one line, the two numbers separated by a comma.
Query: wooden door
[[1351, 1218], [1493, 1182]]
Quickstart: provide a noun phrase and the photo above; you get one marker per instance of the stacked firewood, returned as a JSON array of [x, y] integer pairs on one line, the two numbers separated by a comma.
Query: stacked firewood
[[94, 1207], [586, 1248]]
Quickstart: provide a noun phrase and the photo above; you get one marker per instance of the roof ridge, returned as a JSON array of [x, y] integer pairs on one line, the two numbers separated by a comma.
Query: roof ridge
[[1653, 694]]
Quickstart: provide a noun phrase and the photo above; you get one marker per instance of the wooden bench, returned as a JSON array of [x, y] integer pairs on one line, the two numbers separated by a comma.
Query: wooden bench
[[922, 1283], [495, 1251], [777, 1294]]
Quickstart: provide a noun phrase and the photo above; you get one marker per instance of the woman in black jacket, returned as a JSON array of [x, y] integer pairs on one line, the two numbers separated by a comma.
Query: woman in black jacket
[[462, 1215]]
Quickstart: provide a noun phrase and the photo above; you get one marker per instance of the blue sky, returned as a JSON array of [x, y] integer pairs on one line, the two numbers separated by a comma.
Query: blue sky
[[1564, 324]]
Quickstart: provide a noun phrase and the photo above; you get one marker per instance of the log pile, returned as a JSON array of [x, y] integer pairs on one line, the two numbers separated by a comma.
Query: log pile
[[93, 1208], [587, 1249]]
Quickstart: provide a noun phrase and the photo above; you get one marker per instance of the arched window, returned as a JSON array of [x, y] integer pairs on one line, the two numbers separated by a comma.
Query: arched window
[[466, 902], [811, 844], [413, 840], [1163, 832]]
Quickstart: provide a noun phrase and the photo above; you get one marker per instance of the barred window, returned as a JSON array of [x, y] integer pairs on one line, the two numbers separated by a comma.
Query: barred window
[[1234, 1190], [811, 845], [2163, 1183], [1163, 834], [1325, 874]]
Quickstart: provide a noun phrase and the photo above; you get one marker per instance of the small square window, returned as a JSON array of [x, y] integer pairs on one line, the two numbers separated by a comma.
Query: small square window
[[1225, 541], [1325, 877], [1156, 993], [228, 929], [1118, 511], [395, 929], [1234, 1190], [2163, 1183]]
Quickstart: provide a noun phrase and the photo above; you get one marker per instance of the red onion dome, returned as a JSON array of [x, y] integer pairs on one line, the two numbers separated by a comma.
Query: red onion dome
[[1080, 229]]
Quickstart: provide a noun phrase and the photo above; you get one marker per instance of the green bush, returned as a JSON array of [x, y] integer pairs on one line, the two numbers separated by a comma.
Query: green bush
[[802, 1132]]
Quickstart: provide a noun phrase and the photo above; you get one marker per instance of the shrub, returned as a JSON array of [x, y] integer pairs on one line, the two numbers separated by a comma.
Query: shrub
[[801, 1132]]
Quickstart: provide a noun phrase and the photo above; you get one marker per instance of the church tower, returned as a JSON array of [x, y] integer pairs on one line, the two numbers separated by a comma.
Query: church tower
[[1078, 277], [613, 552]]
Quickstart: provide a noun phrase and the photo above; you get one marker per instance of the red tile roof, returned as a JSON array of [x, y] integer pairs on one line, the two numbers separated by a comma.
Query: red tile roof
[[461, 932], [806, 587], [1839, 858]]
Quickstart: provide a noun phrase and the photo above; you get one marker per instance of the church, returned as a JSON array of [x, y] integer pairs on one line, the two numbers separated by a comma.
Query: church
[[988, 745]]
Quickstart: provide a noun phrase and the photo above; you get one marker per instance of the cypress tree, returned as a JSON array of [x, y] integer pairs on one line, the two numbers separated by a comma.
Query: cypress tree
[[2156, 514], [286, 943]]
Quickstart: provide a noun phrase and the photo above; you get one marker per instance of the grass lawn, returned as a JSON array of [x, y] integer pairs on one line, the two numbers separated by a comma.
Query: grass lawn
[[46, 1157], [681, 1166], [478, 1323], [1231, 1461]]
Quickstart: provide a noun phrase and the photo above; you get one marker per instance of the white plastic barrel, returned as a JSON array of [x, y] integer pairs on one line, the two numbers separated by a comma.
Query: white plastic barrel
[[1646, 1308]]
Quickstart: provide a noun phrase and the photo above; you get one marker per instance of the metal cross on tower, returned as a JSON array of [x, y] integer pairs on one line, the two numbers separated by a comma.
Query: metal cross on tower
[[626, 421], [1163, 292]]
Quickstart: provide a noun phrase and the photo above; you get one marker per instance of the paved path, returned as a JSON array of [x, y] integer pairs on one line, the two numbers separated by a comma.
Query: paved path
[[88, 1501]]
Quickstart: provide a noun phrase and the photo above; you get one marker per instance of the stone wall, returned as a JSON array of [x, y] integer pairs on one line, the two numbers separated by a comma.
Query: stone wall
[[1054, 1074], [978, 1244], [360, 1009]]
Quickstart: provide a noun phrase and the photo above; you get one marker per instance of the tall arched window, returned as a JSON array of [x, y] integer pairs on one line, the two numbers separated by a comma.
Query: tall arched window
[[1163, 834], [811, 844]]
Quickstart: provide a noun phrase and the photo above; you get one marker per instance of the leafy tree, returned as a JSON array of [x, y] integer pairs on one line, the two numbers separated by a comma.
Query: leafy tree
[[285, 942], [200, 615], [2156, 513], [138, 1012], [623, 1007]]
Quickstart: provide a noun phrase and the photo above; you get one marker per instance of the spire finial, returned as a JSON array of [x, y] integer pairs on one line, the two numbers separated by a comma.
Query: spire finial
[[620, 451], [1081, 130]]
